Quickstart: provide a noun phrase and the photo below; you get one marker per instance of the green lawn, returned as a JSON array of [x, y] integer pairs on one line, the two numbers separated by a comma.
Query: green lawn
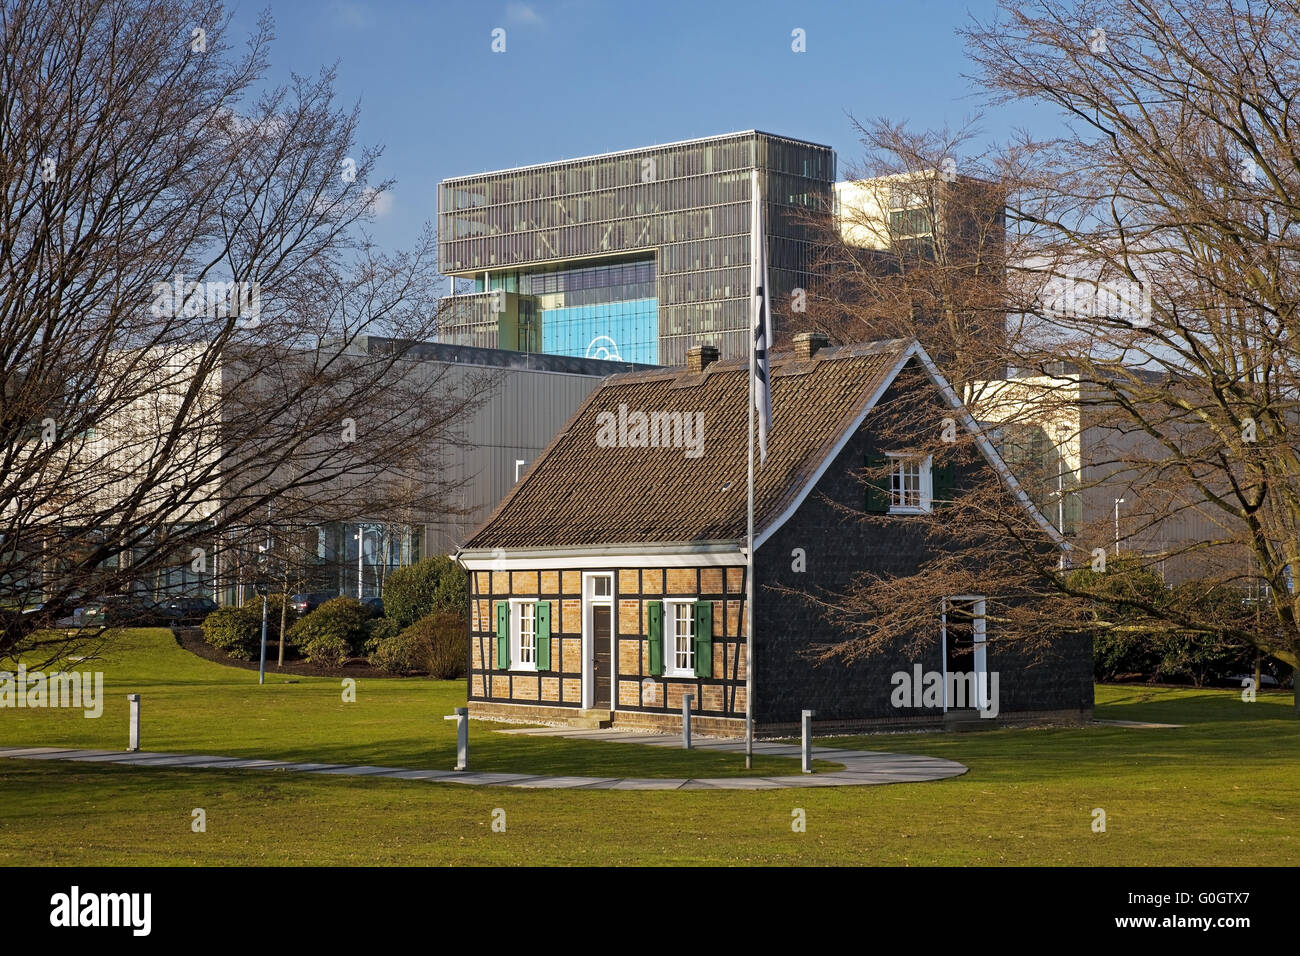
[[1224, 790], [189, 705]]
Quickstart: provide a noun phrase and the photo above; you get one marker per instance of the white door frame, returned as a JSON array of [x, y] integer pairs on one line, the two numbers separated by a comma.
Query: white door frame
[[588, 648], [980, 662]]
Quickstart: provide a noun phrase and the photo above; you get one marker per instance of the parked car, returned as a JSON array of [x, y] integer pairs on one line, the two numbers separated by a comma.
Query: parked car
[[310, 600], [187, 610], [1265, 680], [375, 604], [117, 610]]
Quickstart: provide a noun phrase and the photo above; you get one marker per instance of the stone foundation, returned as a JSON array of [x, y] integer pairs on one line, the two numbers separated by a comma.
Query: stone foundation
[[671, 723]]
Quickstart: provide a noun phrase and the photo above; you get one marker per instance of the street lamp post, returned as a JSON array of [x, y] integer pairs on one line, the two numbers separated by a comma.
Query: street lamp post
[[1060, 478], [1060, 488], [1118, 502], [361, 555]]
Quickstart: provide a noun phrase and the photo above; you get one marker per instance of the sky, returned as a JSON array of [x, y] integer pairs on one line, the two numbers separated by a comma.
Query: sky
[[580, 77]]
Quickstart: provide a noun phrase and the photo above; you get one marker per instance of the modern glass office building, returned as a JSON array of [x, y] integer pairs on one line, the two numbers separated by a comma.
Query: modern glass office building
[[635, 255]]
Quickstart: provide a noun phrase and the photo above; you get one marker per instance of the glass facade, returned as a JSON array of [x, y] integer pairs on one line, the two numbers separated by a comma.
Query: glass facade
[[647, 249]]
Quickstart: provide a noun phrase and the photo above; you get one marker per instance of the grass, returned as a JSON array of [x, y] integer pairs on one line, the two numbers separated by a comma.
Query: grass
[[190, 705], [1222, 790]]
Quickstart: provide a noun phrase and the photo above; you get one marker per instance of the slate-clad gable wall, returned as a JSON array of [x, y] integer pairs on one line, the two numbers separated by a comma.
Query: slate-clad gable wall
[[836, 549]]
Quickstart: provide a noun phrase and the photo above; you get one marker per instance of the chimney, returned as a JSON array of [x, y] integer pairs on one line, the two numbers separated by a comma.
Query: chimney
[[700, 357], [807, 344]]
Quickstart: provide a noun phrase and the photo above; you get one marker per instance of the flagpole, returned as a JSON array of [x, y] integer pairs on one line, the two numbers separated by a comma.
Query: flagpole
[[749, 530], [749, 580]]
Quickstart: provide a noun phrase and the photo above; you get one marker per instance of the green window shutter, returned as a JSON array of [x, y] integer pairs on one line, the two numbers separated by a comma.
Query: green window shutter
[[503, 635], [704, 639], [656, 612], [543, 635], [942, 480], [878, 490]]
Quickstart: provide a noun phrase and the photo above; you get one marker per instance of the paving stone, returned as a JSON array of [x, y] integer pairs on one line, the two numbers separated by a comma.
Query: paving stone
[[421, 774], [647, 783], [311, 767], [360, 771], [482, 779], [739, 783], [553, 783], [72, 754], [109, 756]]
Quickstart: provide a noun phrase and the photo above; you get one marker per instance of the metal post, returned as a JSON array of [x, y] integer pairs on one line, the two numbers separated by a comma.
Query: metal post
[[686, 720], [261, 667], [807, 741], [1118, 502], [135, 721], [361, 554], [461, 716]]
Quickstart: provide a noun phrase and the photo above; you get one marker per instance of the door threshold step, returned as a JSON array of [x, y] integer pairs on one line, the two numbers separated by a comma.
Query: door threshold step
[[593, 719]]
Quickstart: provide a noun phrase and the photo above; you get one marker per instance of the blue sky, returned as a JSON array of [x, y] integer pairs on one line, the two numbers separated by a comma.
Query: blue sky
[[589, 76]]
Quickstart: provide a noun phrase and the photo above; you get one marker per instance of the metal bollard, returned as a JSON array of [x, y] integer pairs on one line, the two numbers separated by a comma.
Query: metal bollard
[[686, 720], [462, 737], [135, 721], [807, 741]]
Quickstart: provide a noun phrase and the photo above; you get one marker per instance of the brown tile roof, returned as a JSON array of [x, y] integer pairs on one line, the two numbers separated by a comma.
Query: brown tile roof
[[578, 493]]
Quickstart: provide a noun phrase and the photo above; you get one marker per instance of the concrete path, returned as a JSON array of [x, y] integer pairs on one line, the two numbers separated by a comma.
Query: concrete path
[[861, 767]]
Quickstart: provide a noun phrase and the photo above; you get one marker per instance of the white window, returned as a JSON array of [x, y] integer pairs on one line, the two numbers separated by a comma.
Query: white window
[[523, 635], [679, 638], [910, 485]]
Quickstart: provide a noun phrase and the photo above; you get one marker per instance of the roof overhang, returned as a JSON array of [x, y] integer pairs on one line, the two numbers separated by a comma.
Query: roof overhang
[[681, 555]]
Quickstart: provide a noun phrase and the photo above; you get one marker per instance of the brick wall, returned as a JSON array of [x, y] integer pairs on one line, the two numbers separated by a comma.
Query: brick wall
[[561, 686], [633, 689]]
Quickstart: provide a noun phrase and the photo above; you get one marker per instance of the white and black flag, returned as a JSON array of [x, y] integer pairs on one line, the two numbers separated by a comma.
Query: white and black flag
[[762, 320]]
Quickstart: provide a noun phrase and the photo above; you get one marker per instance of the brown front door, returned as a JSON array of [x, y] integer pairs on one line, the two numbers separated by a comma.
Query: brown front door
[[600, 643]]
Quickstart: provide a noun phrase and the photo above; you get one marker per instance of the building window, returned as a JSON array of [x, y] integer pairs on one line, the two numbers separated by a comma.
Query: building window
[[524, 652], [909, 484], [680, 638]]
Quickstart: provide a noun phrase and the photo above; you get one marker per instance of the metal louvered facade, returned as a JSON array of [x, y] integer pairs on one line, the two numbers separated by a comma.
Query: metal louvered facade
[[635, 255]]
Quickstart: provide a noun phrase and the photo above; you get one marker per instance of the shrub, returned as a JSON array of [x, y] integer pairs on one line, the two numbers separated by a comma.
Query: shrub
[[379, 630], [436, 644], [1117, 655], [449, 644], [434, 584], [235, 630], [342, 620], [326, 648], [402, 653]]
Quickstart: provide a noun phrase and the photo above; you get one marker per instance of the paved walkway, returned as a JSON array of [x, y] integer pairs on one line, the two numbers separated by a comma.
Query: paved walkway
[[861, 767]]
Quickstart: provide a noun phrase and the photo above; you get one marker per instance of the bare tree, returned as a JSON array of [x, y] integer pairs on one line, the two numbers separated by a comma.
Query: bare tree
[[187, 307], [1151, 292]]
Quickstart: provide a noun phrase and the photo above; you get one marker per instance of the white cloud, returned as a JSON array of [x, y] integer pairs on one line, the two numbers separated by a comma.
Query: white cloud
[[380, 203], [523, 15], [354, 16]]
